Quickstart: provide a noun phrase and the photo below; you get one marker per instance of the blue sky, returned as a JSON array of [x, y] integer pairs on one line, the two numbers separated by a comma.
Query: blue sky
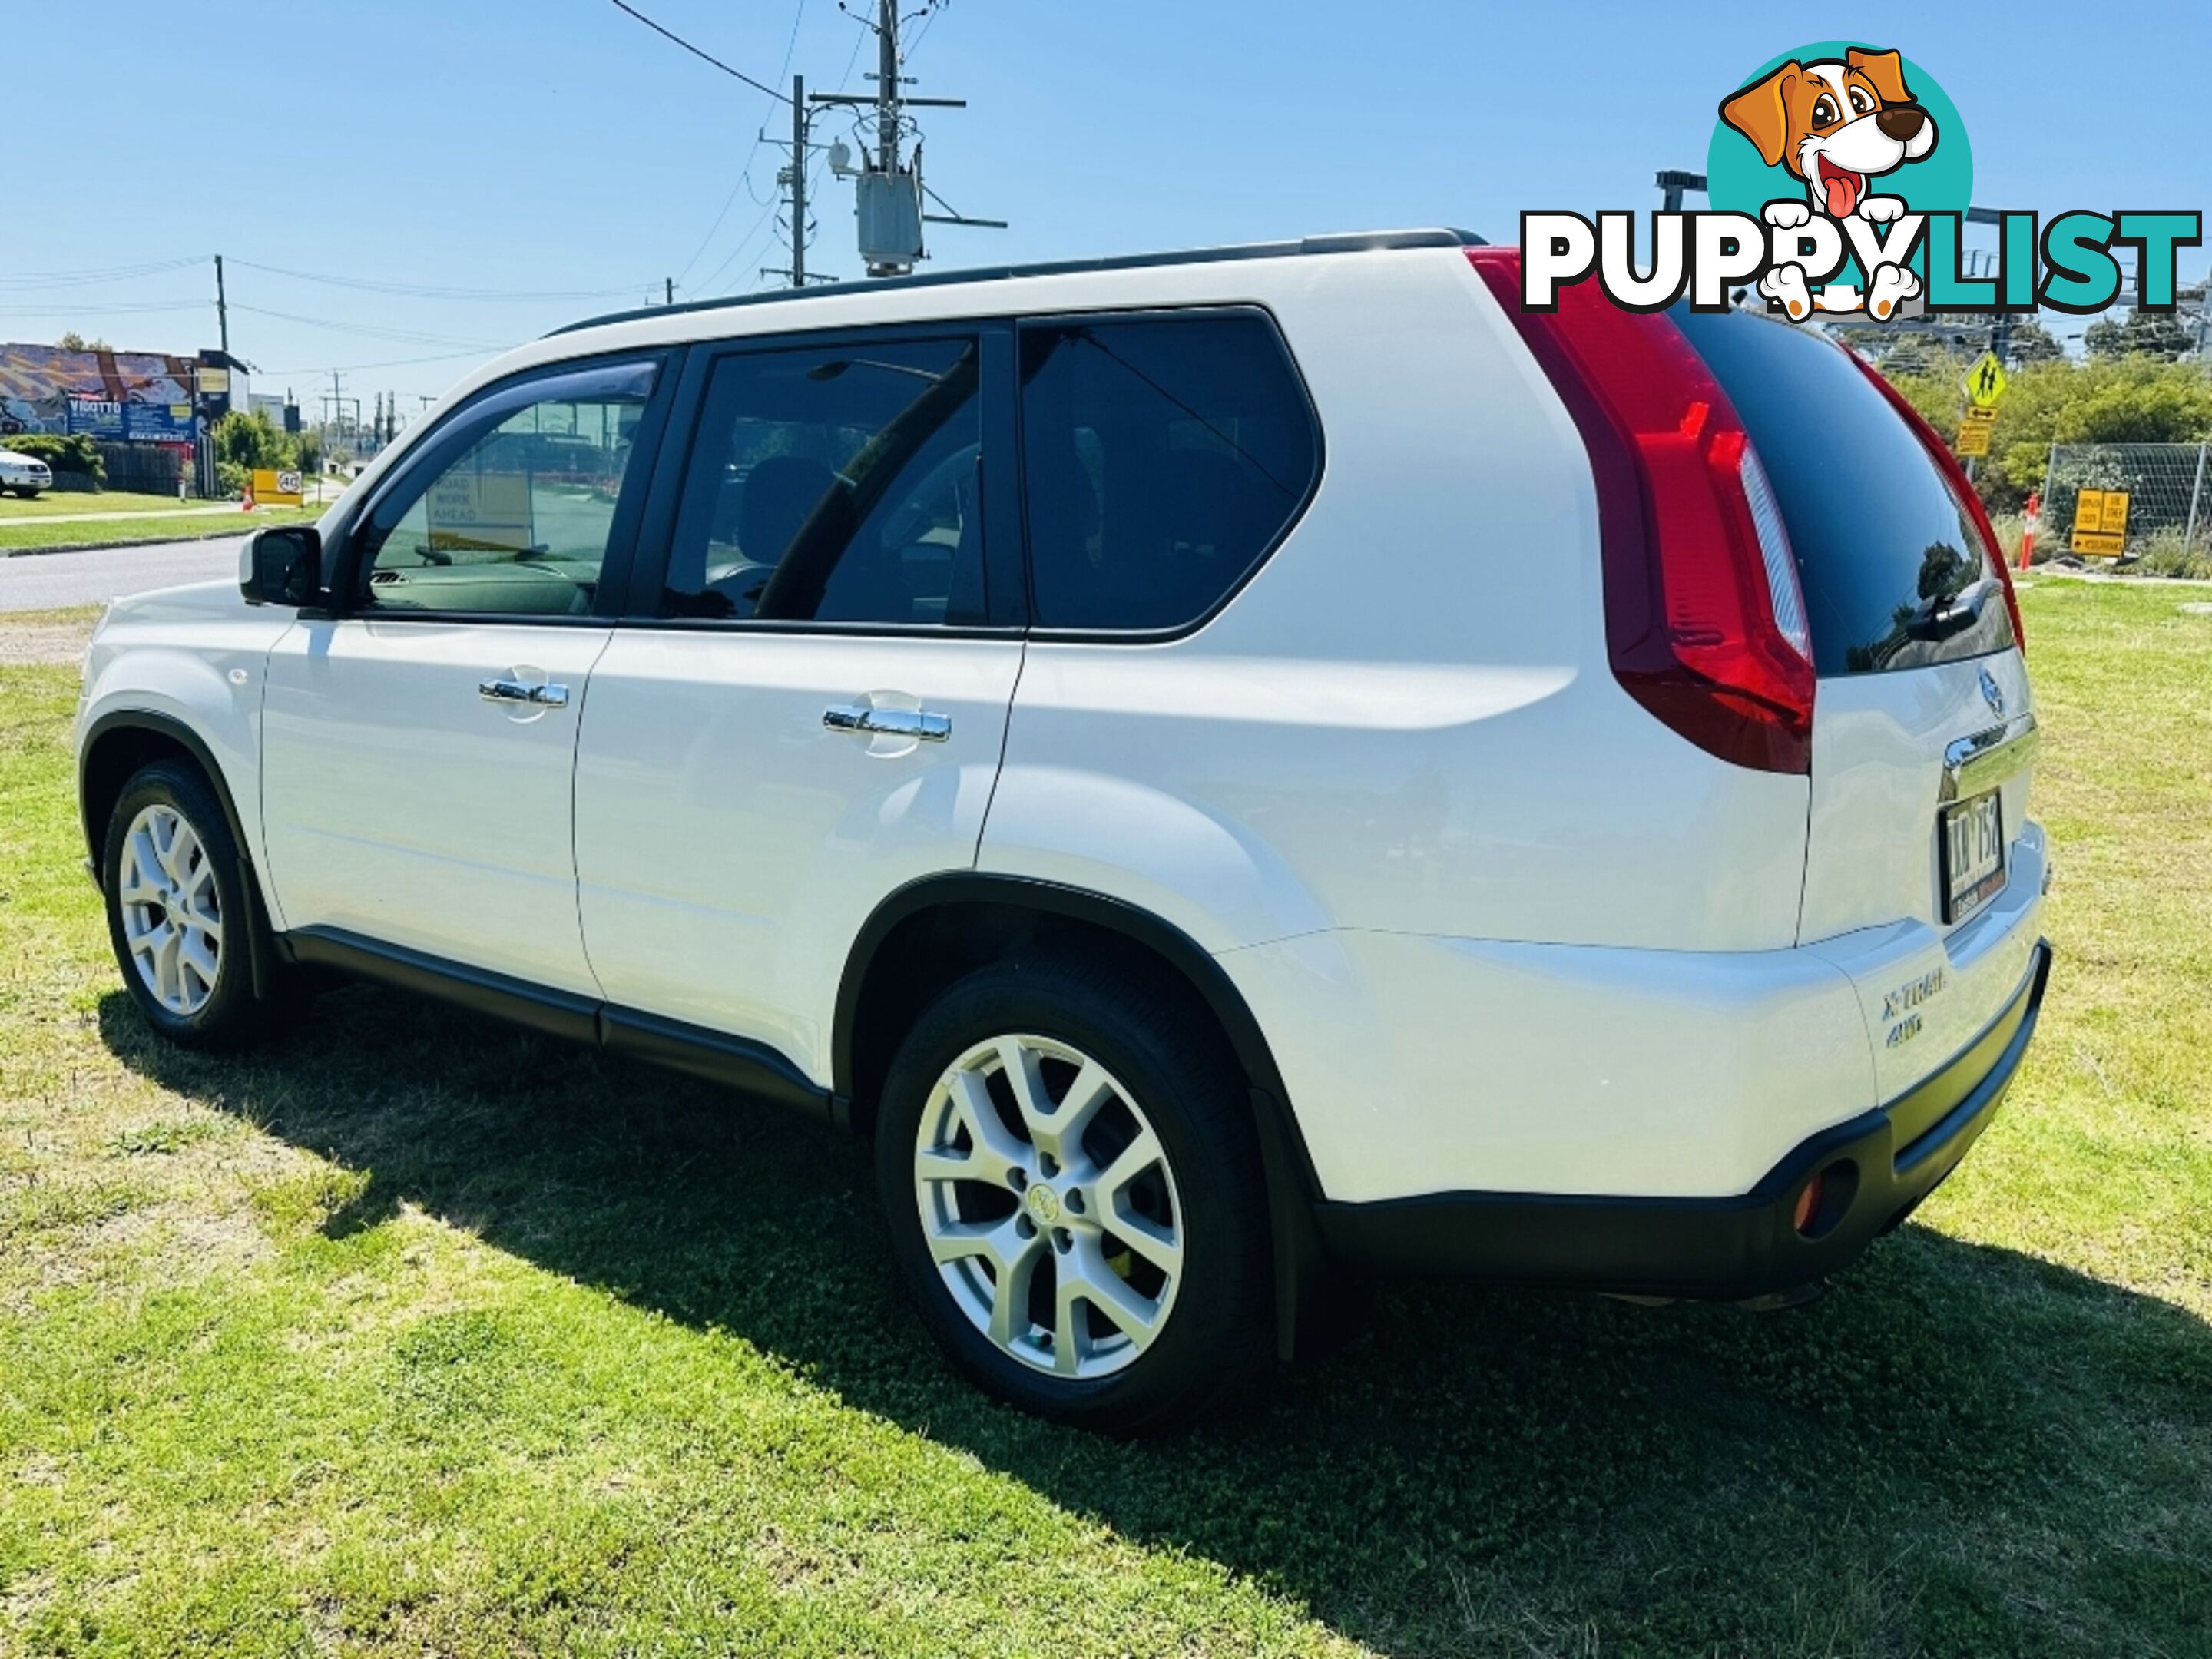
[[522, 146]]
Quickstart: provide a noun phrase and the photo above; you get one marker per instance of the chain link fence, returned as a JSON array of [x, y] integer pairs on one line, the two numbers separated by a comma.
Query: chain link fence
[[2169, 488]]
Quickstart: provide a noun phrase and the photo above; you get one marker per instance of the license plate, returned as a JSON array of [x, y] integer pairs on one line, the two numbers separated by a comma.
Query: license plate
[[1973, 855]]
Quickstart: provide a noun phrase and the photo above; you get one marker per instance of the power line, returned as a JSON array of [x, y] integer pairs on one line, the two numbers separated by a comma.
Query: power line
[[33, 281], [66, 308], [349, 368], [790, 46], [768, 208], [401, 336], [427, 291], [709, 57]]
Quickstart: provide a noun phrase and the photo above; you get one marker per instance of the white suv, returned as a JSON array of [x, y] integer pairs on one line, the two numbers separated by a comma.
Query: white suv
[[1224, 766], [27, 475]]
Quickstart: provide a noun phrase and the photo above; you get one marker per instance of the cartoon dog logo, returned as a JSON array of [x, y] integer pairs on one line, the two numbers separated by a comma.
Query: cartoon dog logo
[[1836, 123]]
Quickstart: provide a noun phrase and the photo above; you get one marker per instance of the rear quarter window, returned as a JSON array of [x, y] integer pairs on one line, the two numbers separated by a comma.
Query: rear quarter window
[[1163, 458], [1889, 557]]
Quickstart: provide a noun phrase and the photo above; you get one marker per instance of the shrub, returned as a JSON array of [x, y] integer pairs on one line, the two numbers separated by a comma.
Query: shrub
[[2009, 527], [77, 455], [2165, 554], [231, 478]]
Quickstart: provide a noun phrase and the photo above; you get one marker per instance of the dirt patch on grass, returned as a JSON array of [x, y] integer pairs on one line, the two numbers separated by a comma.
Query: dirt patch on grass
[[54, 642]]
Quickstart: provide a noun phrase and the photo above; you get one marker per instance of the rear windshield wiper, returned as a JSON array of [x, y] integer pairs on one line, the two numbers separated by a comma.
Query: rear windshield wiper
[[1956, 614]]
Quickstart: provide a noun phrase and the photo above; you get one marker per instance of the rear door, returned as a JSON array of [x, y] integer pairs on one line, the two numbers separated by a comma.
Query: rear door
[[1921, 863], [807, 708]]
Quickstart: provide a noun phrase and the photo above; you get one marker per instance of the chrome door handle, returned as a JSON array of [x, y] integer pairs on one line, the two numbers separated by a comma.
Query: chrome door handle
[[545, 696], [891, 723]]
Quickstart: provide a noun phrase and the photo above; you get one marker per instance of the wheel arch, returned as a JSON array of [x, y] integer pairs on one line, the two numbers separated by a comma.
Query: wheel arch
[[958, 921], [120, 742], [115, 747]]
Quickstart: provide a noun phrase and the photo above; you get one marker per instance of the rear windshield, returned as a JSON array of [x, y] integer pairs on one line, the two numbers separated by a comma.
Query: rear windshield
[[1895, 574]]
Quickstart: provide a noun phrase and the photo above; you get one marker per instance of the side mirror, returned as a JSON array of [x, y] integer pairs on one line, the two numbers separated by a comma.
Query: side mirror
[[283, 565]]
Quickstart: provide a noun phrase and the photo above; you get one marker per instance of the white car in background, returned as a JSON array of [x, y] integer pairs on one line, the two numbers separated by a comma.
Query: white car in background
[[24, 475], [1222, 765]]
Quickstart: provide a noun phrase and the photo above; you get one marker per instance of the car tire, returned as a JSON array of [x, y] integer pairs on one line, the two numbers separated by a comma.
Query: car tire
[[1141, 1263], [179, 916]]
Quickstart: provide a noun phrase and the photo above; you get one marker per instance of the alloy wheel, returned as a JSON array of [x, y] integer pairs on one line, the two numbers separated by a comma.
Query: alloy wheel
[[172, 911], [1048, 1205]]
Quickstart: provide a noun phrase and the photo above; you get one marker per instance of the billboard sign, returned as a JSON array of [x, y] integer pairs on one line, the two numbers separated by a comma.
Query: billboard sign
[[116, 395]]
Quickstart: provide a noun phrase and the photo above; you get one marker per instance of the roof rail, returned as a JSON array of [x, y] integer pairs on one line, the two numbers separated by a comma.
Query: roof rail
[[1346, 242]]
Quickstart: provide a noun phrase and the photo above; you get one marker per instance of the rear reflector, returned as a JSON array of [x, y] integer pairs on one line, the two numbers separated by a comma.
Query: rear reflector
[[1809, 1205], [1704, 619], [1962, 488]]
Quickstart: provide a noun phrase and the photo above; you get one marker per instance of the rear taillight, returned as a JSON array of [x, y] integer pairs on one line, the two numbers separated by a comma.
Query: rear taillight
[[1962, 489], [1705, 620]]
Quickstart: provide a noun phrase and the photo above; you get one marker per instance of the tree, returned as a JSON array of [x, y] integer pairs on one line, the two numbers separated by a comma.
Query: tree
[[74, 341], [2155, 334], [251, 439], [2128, 399], [2032, 342]]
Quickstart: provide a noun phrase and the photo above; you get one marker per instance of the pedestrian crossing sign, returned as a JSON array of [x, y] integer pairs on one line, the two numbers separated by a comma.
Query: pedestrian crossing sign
[[1985, 381]]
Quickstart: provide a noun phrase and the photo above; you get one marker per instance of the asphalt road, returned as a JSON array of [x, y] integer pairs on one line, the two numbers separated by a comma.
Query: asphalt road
[[50, 581]]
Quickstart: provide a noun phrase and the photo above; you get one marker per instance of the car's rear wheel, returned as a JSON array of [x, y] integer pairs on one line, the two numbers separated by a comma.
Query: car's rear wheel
[[1069, 1166], [178, 911]]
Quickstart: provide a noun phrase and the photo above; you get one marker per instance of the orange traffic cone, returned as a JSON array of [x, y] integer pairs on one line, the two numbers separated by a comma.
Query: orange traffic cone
[[246, 504]]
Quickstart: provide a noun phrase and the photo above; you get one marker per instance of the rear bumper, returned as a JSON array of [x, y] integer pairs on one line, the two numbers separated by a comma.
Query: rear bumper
[[1875, 1169]]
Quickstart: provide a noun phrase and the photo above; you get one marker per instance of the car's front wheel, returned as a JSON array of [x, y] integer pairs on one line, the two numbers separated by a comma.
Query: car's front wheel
[[1074, 1184], [177, 914]]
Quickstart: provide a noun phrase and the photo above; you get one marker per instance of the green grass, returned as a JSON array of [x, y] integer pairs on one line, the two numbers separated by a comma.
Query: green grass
[[412, 1334], [55, 537], [77, 500], [69, 503]]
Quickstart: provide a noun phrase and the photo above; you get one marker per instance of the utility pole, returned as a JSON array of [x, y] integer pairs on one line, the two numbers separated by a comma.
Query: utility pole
[[668, 290], [887, 88], [798, 125], [221, 309], [791, 178], [890, 204], [1672, 182]]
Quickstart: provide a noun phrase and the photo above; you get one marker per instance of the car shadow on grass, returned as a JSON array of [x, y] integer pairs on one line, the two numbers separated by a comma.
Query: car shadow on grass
[[1961, 1449]]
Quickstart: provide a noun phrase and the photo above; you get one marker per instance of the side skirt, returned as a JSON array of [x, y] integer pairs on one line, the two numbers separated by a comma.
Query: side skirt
[[752, 1068]]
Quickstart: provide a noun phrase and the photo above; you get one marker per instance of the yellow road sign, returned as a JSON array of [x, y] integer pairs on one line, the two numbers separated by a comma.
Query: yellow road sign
[[274, 489], [1973, 437], [2101, 522], [1985, 381]]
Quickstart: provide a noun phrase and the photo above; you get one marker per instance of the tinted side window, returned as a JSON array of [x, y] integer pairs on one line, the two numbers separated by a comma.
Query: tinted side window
[[517, 522], [835, 484], [1164, 457]]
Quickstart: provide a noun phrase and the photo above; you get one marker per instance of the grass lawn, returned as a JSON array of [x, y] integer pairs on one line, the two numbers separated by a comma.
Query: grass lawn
[[55, 537], [70, 501], [413, 1335]]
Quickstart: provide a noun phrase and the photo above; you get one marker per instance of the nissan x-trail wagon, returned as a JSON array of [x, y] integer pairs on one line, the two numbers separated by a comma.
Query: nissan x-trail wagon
[[1223, 767]]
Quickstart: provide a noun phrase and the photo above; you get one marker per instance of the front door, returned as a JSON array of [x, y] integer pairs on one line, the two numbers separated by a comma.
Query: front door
[[419, 749], [811, 715]]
